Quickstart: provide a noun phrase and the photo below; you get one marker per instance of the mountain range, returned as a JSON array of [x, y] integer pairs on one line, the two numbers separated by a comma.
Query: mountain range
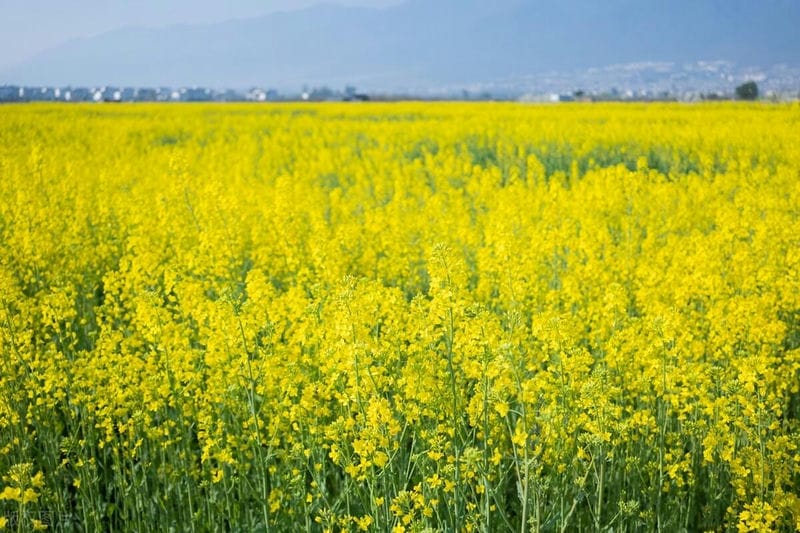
[[424, 43]]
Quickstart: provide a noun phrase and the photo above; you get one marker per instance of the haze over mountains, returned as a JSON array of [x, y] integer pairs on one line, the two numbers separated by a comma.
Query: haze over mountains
[[425, 43]]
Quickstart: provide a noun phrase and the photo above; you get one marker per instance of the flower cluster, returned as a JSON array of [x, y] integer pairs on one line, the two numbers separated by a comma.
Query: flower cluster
[[401, 317]]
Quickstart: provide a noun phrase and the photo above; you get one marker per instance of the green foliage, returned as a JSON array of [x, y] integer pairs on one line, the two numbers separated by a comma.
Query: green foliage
[[747, 91]]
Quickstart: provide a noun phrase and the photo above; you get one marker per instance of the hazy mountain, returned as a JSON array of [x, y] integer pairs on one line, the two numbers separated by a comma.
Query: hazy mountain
[[425, 43]]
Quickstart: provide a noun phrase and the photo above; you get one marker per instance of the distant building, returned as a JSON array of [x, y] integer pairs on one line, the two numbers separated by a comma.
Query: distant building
[[146, 95], [257, 95], [81, 94], [195, 94], [9, 93], [111, 94]]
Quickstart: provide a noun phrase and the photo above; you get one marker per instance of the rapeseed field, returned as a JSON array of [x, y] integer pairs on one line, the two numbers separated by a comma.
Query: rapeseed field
[[400, 317]]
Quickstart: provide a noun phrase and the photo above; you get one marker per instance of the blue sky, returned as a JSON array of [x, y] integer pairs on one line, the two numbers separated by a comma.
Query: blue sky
[[30, 26]]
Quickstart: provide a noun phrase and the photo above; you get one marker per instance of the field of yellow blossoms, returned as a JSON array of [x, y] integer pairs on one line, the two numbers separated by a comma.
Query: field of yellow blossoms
[[400, 317]]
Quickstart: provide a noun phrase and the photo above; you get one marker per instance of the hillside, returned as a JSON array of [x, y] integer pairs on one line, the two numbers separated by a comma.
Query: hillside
[[424, 43]]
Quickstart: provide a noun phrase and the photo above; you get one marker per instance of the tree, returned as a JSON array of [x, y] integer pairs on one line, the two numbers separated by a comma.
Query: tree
[[747, 91]]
